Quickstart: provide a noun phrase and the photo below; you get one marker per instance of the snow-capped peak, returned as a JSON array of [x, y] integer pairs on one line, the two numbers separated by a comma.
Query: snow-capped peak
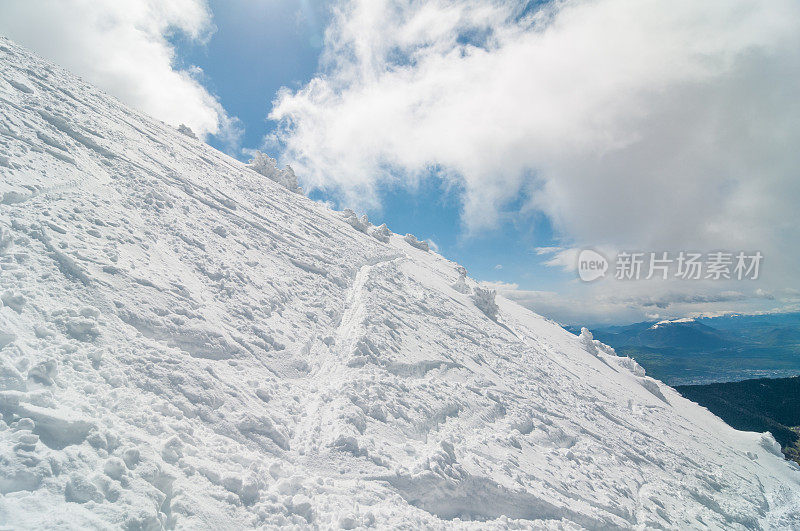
[[672, 321]]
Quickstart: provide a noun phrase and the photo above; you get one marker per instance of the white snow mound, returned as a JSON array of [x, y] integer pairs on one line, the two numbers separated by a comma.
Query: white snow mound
[[186, 344]]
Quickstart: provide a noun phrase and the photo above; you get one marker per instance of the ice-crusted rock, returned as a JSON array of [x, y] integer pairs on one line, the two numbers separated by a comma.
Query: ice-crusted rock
[[186, 130], [381, 233], [268, 167], [769, 443], [587, 339], [485, 301], [628, 363], [361, 224], [598, 348], [460, 285], [414, 242]]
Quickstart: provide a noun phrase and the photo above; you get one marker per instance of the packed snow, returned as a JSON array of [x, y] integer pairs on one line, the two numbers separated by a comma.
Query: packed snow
[[188, 343]]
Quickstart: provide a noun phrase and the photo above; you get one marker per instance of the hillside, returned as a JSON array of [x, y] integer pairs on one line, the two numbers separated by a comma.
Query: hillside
[[766, 404], [186, 343]]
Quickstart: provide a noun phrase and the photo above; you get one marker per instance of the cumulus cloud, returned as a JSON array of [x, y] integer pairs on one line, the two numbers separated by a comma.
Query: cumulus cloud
[[581, 304], [640, 125], [611, 299], [123, 47], [629, 123]]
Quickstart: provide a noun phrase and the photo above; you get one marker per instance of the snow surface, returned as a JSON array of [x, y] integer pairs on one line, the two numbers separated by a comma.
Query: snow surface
[[188, 344], [682, 320]]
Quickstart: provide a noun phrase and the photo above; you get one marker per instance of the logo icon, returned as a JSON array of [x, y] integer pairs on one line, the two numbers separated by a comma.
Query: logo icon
[[591, 265]]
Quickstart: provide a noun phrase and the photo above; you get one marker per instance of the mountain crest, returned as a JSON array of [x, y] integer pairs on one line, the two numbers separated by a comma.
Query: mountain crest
[[187, 343]]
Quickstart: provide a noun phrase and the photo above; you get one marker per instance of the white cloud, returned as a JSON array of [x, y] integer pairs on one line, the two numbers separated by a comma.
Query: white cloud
[[605, 303], [547, 250], [122, 46], [631, 124]]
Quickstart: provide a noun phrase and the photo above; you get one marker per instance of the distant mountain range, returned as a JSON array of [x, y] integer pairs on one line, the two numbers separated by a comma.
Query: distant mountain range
[[706, 350]]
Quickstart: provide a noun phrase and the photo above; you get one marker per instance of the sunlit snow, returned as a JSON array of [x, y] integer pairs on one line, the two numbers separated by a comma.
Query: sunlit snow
[[186, 343]]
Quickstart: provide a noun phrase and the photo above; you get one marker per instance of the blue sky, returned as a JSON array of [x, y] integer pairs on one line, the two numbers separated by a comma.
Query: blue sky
[[257, 48]]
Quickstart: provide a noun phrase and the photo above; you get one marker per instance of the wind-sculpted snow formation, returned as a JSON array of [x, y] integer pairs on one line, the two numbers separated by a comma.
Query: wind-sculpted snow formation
[[188, 344], [268, 167]]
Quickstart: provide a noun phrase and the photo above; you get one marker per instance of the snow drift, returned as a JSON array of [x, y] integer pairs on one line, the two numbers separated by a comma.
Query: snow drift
[[186, 343]]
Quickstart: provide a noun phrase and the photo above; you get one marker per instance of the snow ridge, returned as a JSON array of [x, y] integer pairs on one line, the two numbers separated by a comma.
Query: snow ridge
[[186, 343]]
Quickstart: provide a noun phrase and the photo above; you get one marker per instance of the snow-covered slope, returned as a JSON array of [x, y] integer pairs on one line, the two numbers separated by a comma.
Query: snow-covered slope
[[187, 344]]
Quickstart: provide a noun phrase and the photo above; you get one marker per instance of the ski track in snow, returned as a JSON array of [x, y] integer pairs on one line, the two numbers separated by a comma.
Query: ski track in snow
[[186, 344]]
